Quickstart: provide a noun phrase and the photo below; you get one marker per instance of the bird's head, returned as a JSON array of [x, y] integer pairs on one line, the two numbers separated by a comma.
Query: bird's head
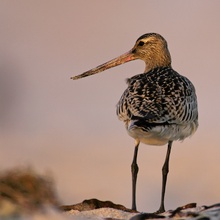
[[151, 48]]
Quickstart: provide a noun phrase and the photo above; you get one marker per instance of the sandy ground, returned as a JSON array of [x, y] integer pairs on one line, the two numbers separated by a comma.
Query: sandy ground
[[101, 214], [197, 213]]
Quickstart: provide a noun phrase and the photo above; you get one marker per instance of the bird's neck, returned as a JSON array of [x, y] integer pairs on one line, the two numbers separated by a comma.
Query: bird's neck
[[158, 60]]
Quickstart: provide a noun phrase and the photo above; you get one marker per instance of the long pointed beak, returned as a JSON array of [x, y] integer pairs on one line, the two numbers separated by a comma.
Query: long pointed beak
[[126, 57]]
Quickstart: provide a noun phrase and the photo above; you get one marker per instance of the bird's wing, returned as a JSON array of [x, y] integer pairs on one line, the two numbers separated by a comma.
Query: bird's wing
[[160, 96]]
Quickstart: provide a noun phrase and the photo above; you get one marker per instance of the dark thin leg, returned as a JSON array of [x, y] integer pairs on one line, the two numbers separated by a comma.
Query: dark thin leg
[[134, 172], [165, 171]]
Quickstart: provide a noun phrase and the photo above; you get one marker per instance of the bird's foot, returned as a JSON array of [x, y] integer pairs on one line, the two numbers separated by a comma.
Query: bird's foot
[[160, 210], [144, 216]]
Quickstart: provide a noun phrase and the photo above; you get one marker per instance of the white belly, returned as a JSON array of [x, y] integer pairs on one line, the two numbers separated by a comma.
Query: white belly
[[160, 135]]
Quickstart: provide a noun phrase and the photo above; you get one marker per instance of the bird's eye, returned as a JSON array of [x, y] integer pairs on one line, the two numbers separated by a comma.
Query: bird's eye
[[141, 43]]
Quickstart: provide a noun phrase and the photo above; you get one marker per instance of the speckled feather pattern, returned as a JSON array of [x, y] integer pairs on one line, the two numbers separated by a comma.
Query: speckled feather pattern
[[160, 104]]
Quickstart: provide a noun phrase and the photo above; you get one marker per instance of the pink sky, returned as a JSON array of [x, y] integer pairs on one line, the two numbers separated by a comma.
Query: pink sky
[[70, 127]]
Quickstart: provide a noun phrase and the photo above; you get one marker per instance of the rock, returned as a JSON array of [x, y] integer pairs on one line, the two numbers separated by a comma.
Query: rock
[[91, 204]]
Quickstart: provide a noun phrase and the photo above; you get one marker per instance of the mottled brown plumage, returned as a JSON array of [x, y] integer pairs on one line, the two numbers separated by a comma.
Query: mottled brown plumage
[[159, 106]]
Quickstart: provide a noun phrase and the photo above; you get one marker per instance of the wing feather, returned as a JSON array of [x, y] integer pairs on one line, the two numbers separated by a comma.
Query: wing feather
[[159, 96]]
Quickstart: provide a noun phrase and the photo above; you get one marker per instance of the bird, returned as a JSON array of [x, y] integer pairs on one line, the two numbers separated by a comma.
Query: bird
[[159, 105]]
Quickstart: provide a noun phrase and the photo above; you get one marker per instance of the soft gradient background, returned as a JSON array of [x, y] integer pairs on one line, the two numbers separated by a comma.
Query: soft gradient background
[[70, 127]]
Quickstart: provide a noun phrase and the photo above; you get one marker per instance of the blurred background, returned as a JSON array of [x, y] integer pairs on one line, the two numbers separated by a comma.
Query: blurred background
[[70, 128]]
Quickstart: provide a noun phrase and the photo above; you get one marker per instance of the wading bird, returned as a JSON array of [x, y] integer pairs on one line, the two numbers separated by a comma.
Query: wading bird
[[158, 107]]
